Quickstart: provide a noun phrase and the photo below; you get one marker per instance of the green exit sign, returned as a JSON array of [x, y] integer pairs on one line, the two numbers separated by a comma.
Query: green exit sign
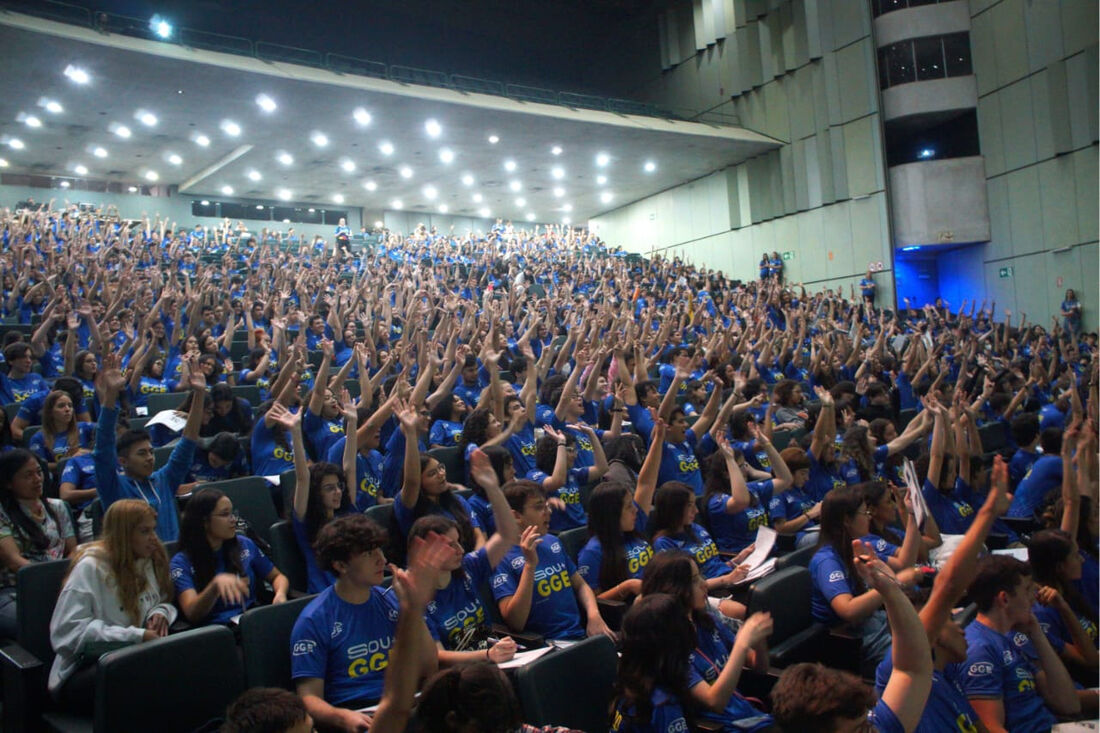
[[788, 255], [1005, 272]]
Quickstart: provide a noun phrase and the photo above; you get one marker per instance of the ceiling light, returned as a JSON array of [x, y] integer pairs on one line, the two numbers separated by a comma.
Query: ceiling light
[[556, 150], [530, 216], [151, 176], [80, 170], [285, 158], [65, 184], [318, 138], [379, 224], [312, 210], [77, 74], [602, 159], [484, 213], [493, 139], [565, 220], [231, 128], [338, 198], [446, 156], [348, 165], [649, 166], [227, 190], [430, 192], [174, 159], [202, 140], [509, 165], [286, 221], [370, 185], [405, 171], [145, 117], [132, 189], [601, 180], [99, 152], [361, 116], [396, 204], [3, 163], [32, 121], [254, 175], [606, 197], [160, 26], [267, 104], [121, 130], [285, 194], [51, 106], [567, 207], [443, 209], [521, 202], [515, 186], [204, 202], [477, 198], [467, 179], [16, 144], [559, 192], [385, 147], [433, 128], [259, 207], [557, 172]]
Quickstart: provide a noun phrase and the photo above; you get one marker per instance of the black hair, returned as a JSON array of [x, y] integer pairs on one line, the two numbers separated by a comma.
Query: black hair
[[668, 510], [225, 446], [1051, 441], [996, 573], [605, 508], [838, 506], [499, 458], [475, 428], [1045, 551], [194, 543], [127, 440], [469, 695], [316, 516], [346, 536], [628, 449], [444, 408], [669, 572], [264, 710], [546, 451], [10, 462]]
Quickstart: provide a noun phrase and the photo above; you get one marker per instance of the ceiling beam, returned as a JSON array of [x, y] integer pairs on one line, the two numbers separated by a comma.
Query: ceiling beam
[[214, 168]]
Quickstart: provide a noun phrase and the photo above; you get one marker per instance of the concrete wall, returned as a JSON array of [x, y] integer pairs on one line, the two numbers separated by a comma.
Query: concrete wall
[[804, 73], [176, 208], [1036, 70], [939, 202]]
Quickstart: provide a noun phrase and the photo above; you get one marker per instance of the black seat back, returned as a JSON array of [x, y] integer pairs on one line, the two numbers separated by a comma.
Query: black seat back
[[796, 558], [177, 683], [265, 642], [252, 500], [453, 461], [785, 594], [551, 692], [287, 556], [573, 541], [36, 589]]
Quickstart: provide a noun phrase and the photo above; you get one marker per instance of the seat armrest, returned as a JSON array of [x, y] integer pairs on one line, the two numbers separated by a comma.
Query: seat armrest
[[526, 639], [801, 647], [758, 684], [24, 684]]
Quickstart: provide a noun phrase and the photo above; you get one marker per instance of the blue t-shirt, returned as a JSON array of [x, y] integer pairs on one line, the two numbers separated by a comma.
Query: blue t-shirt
[[521, 444], [18, 390], [405, 516], [702, 549], [679, 463], [554, 612], [667, 716], [254, 565], [735, 532], [1020, 464], [570, 494], [995, 669], [884, 720], [705, 664], [823, 478], [1045, 475], [322, 433], [954, 512], [1055, 628], [445, 433], [85, 433], [368, 473], [345, 644], [882, 548], [457, 610], [80, 472], [638, 554], [270, 458], [830, 579], [947, 708], [791, 504], [316, 579]]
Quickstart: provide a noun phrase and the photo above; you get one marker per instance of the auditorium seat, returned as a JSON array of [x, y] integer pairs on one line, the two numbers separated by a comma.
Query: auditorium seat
[[785, 594], [250, 392], [552, 692], [165, 401], [573, 540], [265, 642], [287, 556], [251, 499], [453, 461]]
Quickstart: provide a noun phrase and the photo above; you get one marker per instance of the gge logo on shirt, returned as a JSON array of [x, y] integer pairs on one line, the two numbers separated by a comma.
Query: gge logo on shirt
[[980, 668], [303, 647], [836, 575]]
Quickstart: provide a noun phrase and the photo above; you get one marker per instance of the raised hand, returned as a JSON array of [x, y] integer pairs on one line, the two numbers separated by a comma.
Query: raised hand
[[347, 405], [196, 380], [481, 470], [110, 379], [280, 415], [756, 629], [529, 543], [873, 571], [407, 416]]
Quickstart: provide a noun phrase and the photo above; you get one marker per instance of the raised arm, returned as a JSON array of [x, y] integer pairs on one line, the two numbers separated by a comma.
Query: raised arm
[[507, 530], [410, 485]]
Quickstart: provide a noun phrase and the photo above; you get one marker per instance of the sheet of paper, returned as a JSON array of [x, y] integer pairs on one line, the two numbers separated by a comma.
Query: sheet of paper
[[524, 658], [1020, 553], [170, 419], [765, 568], [765, 540], [920, 508]]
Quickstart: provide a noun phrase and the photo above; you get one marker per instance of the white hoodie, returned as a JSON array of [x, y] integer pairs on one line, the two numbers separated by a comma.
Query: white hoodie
[[88, 610]]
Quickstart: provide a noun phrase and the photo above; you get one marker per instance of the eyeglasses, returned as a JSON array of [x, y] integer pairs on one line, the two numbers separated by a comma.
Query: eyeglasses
[[227, 515]]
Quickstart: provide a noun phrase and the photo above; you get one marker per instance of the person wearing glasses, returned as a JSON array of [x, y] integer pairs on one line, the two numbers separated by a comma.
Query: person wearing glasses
[[218, 573], [839, 596]]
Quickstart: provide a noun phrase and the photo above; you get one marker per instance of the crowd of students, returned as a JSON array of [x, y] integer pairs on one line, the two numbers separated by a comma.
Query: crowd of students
[[668, 410]]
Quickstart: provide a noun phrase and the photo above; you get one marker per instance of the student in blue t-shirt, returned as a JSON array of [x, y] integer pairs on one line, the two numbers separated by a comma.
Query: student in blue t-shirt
[[616, 554], [20, 382], [61, 436], [1006, 689], [447, 418], [218, 573], [796, 511], [950, 501], [536, 585], [457, 617], [811, 696], [1025, 432], [1043, 477], [1066, 616], [322, 490], [341, 643], [736, 509], [838, 594], [555, 472]]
